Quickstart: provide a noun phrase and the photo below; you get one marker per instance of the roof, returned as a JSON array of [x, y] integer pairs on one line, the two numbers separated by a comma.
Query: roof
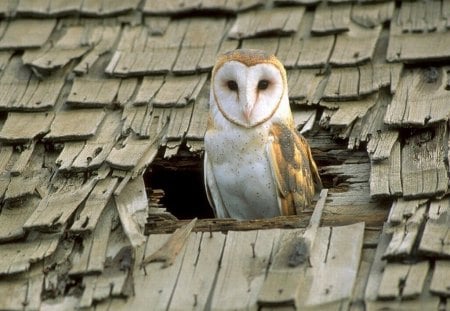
[[94, 92]]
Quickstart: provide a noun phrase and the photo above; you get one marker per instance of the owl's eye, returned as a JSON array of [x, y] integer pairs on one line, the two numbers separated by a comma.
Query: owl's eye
[[263, 85], [232, 85]]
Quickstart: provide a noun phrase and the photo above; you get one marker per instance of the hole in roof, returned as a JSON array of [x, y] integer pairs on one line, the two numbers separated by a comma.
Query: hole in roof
[[181, 179]]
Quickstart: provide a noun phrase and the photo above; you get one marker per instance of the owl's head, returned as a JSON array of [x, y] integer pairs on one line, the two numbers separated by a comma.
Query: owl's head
[[248, 86]]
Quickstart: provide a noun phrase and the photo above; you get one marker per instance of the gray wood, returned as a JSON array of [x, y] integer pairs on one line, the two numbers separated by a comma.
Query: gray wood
[[367, 258], [245, 258], [68, 154], [126, 91], [58, 7], [334, 276], [342, 84], [128, 155], [97, 149], [403, 280], [20, 186], [349, 111], [423, 169], [179, 91], [330, 18], [435, 240], [19, 256], [355, 46], [22, 161], [93, 93], [440, 283], [14, 215], [27, 33], [75, 124], [376, 270], [402, 209], [305, 93], [147, 90], [129, 202], [420, 98], [22, 127], [152, 283], [49, 216], [179, 121], [404, 235], [199, 119], [372, 14], [381, 145], [45, 96], [91, 258], [97, 201], [200, 267], [407, 47]]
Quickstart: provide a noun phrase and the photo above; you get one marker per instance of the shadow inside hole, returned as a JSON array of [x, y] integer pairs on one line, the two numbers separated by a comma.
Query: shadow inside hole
[[184, 190]]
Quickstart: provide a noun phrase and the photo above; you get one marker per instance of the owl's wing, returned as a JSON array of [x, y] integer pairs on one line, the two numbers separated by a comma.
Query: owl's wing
[[212, 191], [293, 168]]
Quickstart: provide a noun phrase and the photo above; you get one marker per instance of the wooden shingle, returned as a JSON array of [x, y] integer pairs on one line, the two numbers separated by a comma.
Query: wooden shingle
[[75, 124], [25, 126], [355, 46], [27, 33], [372, 14], [281, 21], [421, 98], [424, 172], [331, 18], [87, 92], [179, 6]]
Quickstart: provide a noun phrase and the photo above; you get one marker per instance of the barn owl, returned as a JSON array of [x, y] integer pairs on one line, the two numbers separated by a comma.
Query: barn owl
[[256, 164]]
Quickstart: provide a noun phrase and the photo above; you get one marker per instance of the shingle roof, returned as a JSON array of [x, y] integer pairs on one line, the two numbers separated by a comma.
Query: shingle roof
[[93, 92]]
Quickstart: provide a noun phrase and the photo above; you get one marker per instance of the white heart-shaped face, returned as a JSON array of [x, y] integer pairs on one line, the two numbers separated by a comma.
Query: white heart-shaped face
[[248, 95]]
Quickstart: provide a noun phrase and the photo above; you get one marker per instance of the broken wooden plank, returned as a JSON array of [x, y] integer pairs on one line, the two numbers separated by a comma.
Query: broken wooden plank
[[423, 169], [435, 240], [169, 251], [130, 202], [75, 124], [95, 204], [287, 271], [19, 256], [404, 235], [90, 259], [305, 93], [200, 267], [377, 268], [402, 209], [420, 98], [328, 272], [153, 283], [403, 280], [245, 258], [14, 214], [381, 145], [49, 216]]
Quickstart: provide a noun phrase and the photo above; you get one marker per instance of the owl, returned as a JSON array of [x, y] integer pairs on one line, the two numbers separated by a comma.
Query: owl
[[256, 164]]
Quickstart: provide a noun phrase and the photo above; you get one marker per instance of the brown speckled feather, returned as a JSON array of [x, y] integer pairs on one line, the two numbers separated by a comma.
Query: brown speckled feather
[[293, 168]]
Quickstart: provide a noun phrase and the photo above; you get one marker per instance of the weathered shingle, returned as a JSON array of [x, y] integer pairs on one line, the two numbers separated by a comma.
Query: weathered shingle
[[26, 33]]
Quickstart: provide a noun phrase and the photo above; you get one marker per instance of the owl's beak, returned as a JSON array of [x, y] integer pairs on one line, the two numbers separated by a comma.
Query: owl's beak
[[247, 112]]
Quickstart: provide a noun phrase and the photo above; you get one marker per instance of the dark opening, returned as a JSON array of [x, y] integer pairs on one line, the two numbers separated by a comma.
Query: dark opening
[[182, 181]]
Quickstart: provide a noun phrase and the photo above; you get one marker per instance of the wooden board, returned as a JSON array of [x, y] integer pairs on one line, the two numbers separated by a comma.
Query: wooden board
[[331, 18], [87, 92], [75, 124], [440, 282], [198, 272], [48, 215], [27, 33], [355, 46], [280, 21], [22, 127], [245, 258], [372, 14], [420, 98], [423, 170]]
